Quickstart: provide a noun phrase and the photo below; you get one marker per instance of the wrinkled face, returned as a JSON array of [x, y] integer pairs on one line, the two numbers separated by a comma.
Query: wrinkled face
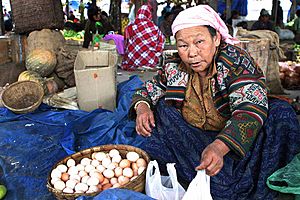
[[196, 47]]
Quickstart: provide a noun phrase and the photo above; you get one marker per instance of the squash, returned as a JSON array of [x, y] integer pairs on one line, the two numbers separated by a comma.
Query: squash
[[31, 76], [49, 85], [45, 39], [41, 61]]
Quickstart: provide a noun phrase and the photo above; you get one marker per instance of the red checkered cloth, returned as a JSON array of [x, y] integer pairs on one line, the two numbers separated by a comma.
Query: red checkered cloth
[[144, 42]]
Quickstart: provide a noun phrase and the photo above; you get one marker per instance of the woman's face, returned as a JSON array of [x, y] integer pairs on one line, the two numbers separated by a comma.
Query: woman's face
[[196, 47], [97, 17]]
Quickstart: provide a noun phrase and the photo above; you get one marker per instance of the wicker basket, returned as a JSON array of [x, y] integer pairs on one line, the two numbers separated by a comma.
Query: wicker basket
[[137, 184], [30, 15], [23, 96]]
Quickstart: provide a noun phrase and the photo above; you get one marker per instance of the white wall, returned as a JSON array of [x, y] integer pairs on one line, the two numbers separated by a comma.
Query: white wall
[[254, 7]]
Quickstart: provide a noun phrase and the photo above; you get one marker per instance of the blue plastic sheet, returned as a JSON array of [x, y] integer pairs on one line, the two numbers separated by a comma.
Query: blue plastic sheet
[[30, 144], [118, 194]]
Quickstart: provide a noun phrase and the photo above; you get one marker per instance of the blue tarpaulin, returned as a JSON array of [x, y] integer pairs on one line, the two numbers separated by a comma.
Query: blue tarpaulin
[[30, 144], [239, 5]]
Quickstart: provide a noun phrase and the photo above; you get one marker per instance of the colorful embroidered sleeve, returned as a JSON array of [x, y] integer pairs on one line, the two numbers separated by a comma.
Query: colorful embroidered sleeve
[[248, 101], [151, 92]]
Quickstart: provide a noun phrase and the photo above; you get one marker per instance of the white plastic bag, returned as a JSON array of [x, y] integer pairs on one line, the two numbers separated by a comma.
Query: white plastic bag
[[163, 187], [199, 188]]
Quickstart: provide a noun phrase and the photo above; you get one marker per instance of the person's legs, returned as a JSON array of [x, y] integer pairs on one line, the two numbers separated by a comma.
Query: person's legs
[[276, 144], [173, 140]]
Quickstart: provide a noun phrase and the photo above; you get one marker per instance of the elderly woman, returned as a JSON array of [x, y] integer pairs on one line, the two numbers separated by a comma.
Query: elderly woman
[[144, 42], [210, 111]]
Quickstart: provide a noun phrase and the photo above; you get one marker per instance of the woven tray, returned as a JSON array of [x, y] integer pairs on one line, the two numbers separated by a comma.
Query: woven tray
[[137, 184], [30, 15], [23, 96]]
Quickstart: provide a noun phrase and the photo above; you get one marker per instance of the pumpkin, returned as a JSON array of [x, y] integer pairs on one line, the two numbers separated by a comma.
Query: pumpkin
[[49, 85], [41, 61]]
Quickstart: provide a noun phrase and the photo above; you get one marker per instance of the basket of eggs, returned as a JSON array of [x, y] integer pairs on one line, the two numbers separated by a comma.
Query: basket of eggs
[[90, 171]]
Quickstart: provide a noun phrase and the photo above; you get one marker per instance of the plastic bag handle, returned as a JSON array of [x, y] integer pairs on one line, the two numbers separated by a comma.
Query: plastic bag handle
[[173, 176], [172, 173], [151, 166], [203, 180]]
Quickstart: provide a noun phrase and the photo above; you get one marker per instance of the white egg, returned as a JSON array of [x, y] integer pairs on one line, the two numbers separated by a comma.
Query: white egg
[[108, 173], [122, 180], [80, 167], [128, 172], [113, 180], [53, 180], [132, 156], [113, 153], [141, 169], [56, 173], [100, 168], [81, 187], [95, 163], [84, 179], [71, 162], [93, 188], [97, 175], [71, 183], [85, 161], [62, 168], [79, 192], [112, 165], [134, 177], [116, 185], [89, 168], [82, 173], [68, 190], [89, 191], [116, 159], [59, 185], [73, 170], [100, 155], [92, 181], [106, 162], [75, 177]]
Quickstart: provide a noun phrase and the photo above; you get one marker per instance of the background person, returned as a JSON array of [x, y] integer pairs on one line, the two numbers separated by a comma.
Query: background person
[[263, 22], [96, 24], [143, 42]]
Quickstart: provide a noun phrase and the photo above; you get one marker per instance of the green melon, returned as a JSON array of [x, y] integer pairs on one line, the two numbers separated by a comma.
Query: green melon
[[49, 85], [41, 61]]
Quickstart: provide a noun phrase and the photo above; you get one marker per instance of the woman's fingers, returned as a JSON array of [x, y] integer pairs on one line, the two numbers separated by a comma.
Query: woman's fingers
[[143, 125], [151, 118], [214, 167], [211, 160]]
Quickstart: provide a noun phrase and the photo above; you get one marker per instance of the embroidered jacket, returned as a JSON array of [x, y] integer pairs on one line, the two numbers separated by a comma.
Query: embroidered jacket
[[238, 89]]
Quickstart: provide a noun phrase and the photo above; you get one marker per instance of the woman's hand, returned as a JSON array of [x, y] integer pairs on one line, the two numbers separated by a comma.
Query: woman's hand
[[144, 120], [212, 157]]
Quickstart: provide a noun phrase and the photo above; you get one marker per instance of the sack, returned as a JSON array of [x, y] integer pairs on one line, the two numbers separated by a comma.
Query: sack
[[199, 188], [286, 34], [163, 187]]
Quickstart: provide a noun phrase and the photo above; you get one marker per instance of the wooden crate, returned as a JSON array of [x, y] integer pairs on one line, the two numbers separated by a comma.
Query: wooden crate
[[5, 53], [18, 49]]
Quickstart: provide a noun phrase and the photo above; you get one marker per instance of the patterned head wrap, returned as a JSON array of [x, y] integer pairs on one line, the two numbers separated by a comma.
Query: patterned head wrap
[[202, 15]]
